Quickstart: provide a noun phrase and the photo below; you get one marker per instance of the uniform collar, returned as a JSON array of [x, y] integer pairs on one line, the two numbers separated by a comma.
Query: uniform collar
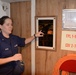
[[2, 37]]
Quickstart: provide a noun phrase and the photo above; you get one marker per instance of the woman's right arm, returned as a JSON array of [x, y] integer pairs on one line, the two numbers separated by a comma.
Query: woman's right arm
[[12, 58]]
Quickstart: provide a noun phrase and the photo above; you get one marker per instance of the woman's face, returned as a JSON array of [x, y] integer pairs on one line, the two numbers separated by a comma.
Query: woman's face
[[7, 26]]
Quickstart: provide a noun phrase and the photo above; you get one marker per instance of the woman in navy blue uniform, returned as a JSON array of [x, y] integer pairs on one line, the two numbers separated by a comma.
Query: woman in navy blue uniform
[[9, 46]]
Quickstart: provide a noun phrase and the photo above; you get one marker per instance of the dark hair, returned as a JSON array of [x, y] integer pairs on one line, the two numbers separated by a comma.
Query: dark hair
[[2, 19]]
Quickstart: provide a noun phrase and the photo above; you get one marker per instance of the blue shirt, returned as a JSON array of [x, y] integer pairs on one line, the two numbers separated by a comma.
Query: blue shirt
[[8, 48]]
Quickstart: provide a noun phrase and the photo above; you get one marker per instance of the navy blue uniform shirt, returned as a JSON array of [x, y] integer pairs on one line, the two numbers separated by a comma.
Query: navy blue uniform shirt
[[8, 48]]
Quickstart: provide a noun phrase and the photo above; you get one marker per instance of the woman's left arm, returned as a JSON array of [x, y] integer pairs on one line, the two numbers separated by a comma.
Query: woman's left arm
[[39, 34]]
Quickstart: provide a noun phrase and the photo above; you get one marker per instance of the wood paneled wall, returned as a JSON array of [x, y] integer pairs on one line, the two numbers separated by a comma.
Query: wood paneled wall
[[21, 15], [46, 59]]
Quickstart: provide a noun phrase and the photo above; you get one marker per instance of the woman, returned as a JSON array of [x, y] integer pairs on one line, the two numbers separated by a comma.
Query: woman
[[9, 46]]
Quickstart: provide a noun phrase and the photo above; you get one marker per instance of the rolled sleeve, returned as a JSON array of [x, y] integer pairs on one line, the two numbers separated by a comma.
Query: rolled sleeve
[[21, 41]]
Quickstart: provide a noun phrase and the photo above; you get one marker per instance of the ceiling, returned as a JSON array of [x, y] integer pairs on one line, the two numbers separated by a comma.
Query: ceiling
[[14, 0]]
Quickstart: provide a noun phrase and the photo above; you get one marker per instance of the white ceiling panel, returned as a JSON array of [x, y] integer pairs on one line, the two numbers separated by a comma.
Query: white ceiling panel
[[14, 0]]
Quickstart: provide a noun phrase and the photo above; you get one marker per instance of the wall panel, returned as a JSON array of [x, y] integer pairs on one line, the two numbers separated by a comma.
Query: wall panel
[[21, 15], [46, 59]]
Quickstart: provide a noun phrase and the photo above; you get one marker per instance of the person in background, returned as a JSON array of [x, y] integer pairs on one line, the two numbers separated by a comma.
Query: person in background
[[9, 46]]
